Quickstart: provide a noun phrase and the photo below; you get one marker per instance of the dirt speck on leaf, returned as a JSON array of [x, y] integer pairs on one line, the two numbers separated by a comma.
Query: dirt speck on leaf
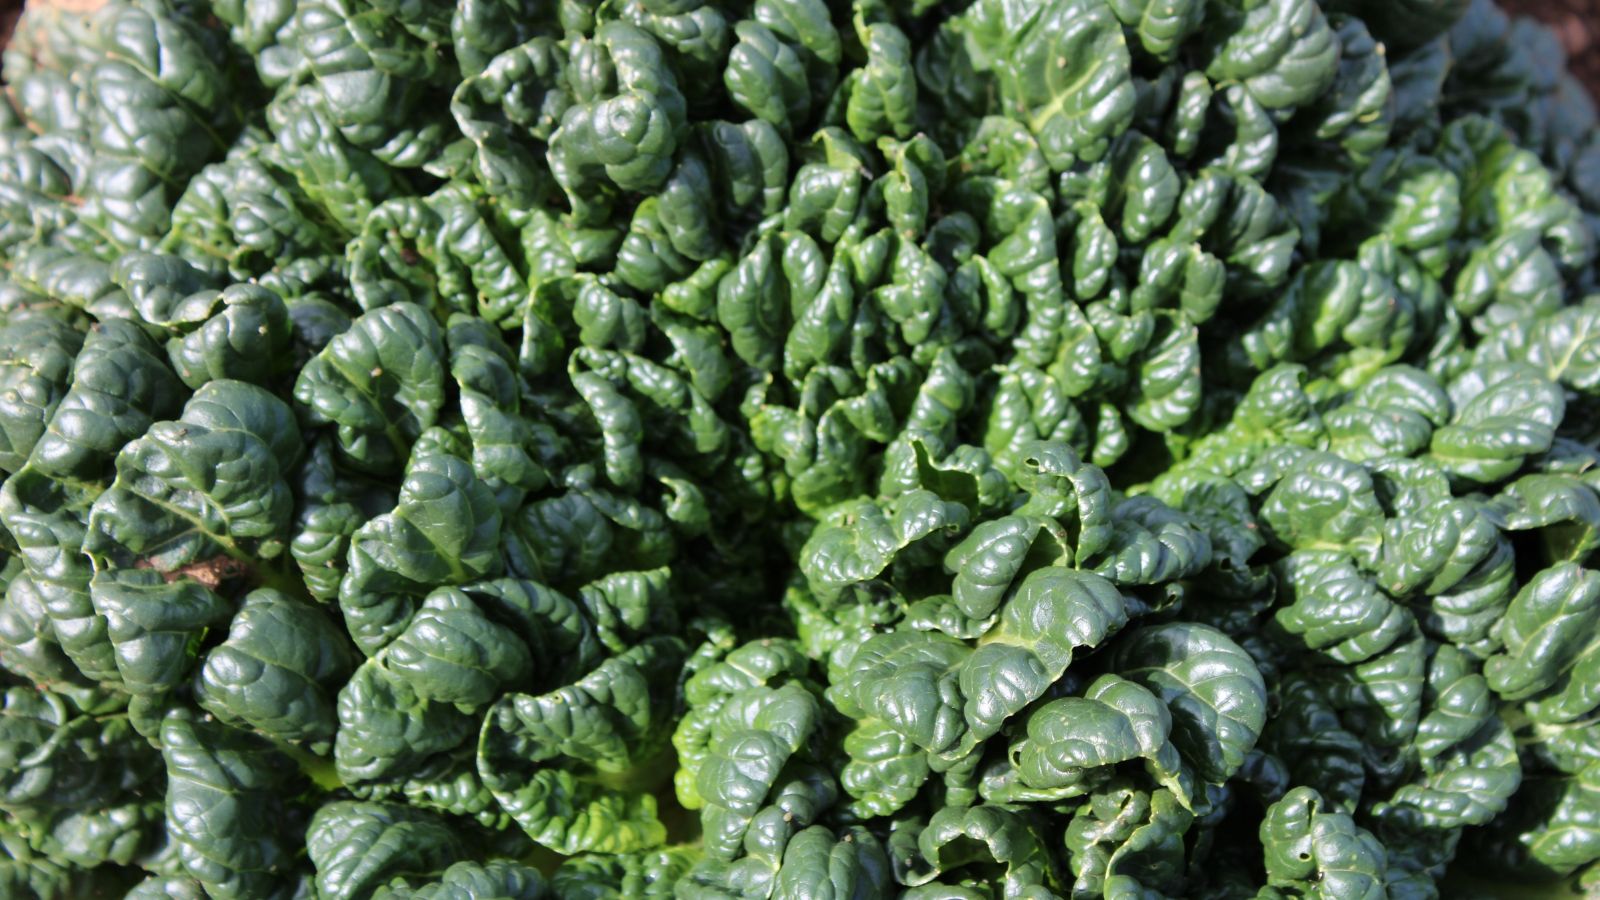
[[209, 572]]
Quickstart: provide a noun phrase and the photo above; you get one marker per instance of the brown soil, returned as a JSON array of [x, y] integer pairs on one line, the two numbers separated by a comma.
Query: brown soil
[[9, 10], [1578, 24]]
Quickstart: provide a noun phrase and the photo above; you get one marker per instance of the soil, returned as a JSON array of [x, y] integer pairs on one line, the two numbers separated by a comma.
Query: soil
[[1578, 24], [9, 10]]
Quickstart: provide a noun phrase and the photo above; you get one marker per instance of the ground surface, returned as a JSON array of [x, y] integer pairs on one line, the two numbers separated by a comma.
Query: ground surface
[[9, 10], [1578, 23]]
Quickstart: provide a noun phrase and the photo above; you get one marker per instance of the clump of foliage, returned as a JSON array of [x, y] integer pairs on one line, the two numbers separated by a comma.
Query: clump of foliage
[[774, 448]]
